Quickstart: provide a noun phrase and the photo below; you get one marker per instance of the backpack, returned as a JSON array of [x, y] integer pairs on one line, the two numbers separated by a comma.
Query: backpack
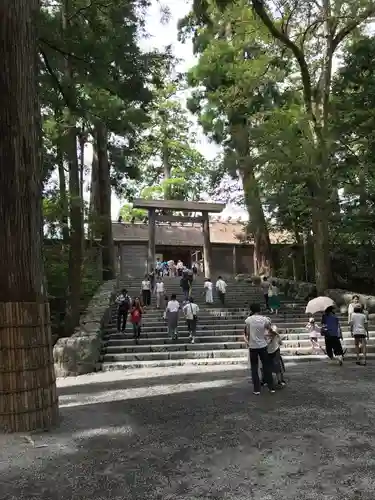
[[125, 304]]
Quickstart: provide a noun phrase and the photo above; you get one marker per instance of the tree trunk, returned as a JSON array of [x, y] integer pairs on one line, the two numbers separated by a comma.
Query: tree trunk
[[166, 172], [75, 206], [257, 222], [28, 398], [94, 209], [63, 197], [105, 203]]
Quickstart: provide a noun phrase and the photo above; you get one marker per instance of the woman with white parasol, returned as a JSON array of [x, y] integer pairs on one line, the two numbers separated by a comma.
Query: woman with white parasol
[[331, 328]]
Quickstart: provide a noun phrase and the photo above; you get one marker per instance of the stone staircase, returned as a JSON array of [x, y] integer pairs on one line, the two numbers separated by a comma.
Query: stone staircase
[[219, 334]]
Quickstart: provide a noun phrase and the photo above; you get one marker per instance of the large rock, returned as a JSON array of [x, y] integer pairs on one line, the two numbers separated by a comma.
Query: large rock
[[343, 297], [81, 352]]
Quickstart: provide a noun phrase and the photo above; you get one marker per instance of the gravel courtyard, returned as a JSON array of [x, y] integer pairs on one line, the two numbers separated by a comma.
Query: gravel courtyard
[[200, 433]]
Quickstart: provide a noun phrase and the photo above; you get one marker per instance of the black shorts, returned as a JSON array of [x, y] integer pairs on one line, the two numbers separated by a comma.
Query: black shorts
[[360, 337]]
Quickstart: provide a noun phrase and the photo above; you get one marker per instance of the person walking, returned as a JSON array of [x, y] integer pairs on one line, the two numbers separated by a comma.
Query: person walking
[[221, 288], [159, 292], [265, 284], [172, 314], [273, 298], [274, 353], [185, 286], [152, 278], [331, 330], [191, 310], [208, 288], [354, 303], [123, 301], [146, 291], [314, 333], [359, 329], [136, 313], [257, 327]]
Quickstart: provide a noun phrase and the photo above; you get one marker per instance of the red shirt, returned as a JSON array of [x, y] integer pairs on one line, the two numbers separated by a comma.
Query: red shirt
[[136, 315]]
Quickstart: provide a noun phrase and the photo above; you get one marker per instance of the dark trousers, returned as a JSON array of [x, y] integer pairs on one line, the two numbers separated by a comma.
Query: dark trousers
[[146, 297], [266, 300], [122, 316], [333, 346], [221, 297], [137, 330], [262, 355], [192, 326], [186, 293]]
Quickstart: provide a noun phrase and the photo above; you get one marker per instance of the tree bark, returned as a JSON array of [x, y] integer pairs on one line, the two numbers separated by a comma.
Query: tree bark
[[75, 205], [166, 172], [28, 398], [94, 209], [257, 222], [64, 208], [105, 203]]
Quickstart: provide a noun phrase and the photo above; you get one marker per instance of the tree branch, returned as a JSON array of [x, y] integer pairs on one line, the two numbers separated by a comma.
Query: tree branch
[[259, 8], [352, 25], [53, 76]]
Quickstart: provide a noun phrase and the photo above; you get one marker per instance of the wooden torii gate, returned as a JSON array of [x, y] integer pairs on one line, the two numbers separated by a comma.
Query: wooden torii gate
[[166, 206]]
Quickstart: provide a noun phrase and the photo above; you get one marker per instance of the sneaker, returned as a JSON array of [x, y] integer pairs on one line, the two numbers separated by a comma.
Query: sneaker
[[272, 391], [340, 360], [192, 340], [256, 393]]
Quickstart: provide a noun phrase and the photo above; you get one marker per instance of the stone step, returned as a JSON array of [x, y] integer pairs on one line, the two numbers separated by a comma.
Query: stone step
[[239, 360], [207, 330], [159, 325], [202, 338], [201, 344], [210, 353]]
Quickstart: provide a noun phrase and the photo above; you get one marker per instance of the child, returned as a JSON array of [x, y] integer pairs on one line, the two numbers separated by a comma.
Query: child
[[315, 332], [274, 355]]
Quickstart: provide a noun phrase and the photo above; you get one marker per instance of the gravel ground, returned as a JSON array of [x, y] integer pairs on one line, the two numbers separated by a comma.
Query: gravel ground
[[189, 434]]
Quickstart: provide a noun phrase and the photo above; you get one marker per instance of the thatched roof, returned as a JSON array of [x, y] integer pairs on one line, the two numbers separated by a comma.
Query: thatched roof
[[230, 233]]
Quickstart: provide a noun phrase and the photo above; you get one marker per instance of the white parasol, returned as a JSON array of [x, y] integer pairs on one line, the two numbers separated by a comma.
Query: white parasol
[[319, 304]]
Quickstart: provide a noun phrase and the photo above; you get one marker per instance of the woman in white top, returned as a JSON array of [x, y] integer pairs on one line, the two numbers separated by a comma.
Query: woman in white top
[[172, 316], [209, 295], [355, 302], [159, 292], [146, 291], [359, 329]]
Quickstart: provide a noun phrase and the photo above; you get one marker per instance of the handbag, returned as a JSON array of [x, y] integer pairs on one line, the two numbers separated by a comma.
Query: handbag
[[195, 317]]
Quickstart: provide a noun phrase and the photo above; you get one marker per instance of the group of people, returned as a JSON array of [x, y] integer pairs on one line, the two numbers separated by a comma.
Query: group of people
[[127, 307], [264, 341], [173, 268], [330, 329]]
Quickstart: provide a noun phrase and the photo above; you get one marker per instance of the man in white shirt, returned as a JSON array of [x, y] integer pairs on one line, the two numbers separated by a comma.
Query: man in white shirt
[[146, 291], [191, 311], [221, 288], [172, 313], [256, 329], [159, 292]]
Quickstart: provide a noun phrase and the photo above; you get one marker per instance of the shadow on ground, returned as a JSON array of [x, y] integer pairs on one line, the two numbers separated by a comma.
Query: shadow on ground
[[313, 440]]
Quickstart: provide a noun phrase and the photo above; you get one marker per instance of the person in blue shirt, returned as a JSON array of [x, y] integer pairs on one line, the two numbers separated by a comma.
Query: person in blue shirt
[[331, 330]]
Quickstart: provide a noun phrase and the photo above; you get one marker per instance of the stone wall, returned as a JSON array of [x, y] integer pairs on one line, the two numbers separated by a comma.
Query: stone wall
[[305, 291], [81, 352]]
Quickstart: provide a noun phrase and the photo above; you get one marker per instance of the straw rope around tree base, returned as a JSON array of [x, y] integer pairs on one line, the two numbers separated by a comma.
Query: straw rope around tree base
[[28, 399]]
